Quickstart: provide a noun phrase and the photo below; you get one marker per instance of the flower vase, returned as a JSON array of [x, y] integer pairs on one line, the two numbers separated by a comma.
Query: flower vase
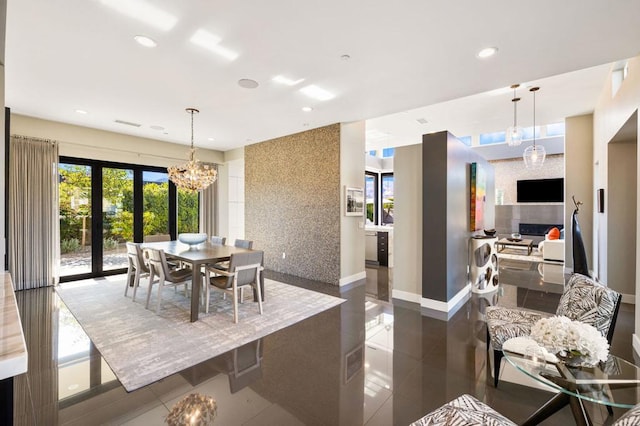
[[573, 360]]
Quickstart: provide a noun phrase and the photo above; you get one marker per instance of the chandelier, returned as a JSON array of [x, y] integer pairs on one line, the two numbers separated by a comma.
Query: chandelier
[[193, 175], [534, 155], [515, 132]]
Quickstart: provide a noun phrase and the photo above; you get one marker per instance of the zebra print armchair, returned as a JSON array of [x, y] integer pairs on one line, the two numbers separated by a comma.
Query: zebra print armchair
[[582, 300]]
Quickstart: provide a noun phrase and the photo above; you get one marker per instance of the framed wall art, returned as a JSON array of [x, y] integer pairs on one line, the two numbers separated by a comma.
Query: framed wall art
[[354, 201]]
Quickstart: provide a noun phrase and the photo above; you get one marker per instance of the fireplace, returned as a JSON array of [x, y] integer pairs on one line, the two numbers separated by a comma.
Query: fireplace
[[536, 229]]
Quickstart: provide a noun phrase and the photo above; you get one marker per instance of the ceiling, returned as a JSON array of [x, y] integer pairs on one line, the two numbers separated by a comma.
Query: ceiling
[[402, 56]]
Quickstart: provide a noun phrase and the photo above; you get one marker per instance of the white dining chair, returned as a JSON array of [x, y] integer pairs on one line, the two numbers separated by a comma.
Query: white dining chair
[[166, 277], [137, 268], [244, 269]]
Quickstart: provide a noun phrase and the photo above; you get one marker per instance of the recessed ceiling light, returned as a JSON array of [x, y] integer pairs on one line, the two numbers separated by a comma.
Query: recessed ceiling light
[[158, 128], [487, 52], [284, 80], [145, 41], [247, 83], [305, 124], [211, 42], [210, 139], [81, 111], [345, 57], [318, 93], [307, 109], [422, 120], [143, 11], [73, 386]]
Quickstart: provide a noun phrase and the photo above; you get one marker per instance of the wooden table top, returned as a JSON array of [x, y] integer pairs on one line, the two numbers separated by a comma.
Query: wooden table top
[[523, 242]]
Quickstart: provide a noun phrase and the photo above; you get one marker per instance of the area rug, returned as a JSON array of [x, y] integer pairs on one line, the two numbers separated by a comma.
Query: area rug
[[142, 347]]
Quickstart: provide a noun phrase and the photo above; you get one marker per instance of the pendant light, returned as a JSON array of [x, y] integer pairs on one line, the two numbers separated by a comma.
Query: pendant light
[[193, 175], [534, 155], [515, 132]]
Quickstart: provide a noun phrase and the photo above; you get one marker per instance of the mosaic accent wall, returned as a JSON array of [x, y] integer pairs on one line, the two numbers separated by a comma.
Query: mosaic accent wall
[[292, 203], [508, 172]]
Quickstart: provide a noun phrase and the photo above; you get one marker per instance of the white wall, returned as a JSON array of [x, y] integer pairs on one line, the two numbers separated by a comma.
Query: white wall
[[84, 142], [621, 207], [578, 145], [407, 229], [352, 166], [2, 169], [235, 205], [609, 116]]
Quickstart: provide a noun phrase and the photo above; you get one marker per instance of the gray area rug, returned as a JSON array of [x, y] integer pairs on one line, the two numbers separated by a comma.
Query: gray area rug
[[142, 347]]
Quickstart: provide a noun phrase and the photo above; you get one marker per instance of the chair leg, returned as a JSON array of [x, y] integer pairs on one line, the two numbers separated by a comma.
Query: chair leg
[[136, 283], [160, 286], [242, 294], [149, 288], [259, 292], [126, 286], [235, 299], [497, 358]]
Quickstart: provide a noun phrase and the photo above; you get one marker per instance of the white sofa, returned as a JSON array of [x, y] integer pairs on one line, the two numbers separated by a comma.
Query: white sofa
[[552, 250]]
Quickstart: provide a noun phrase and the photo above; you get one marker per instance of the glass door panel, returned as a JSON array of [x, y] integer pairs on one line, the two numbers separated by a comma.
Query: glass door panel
[[370, 190], [117, 216], [155, 214], [75, 219], [387, 198], [188, 209]]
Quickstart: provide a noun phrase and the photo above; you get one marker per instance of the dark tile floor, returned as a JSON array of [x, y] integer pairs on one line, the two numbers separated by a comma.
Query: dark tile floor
[[311, 373]]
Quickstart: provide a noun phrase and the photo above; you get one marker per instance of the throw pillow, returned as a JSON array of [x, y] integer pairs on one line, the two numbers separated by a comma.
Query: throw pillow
[[554, 234]]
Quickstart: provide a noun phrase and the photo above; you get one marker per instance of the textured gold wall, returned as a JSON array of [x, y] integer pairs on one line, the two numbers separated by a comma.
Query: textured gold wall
[[292, 202]]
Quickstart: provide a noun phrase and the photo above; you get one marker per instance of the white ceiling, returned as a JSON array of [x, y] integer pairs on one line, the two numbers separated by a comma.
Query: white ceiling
[[80, 54]]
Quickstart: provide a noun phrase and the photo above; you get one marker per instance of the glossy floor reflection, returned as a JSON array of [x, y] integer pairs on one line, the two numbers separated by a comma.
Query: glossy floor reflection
[[312, 373]]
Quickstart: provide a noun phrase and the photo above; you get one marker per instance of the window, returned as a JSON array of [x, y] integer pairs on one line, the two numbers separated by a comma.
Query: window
[[373, 153], [527, 133], [103, 205], [388, 152], [386, 192], [491, 138], [371, 195], [556, 129], [466, 140]]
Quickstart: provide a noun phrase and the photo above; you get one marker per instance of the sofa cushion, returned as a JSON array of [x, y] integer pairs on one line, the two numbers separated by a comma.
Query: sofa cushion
[[554, 234]]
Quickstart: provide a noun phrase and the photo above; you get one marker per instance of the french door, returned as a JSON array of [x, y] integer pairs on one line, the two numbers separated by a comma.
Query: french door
[[105, 204]]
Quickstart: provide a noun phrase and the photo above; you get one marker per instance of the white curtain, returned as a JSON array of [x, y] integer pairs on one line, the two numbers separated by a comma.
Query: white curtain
[[34, 227], [208, 214]]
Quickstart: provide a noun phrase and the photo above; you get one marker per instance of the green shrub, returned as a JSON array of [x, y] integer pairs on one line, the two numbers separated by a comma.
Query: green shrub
[[109, 244], [70, 245]]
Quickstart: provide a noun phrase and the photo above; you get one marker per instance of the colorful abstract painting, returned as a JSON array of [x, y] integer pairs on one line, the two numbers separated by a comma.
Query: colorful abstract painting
[[478, 196]]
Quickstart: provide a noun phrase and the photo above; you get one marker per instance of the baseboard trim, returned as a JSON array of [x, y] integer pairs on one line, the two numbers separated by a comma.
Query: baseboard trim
[[405, 295], [353, 278], [629, 298], [441, 306]]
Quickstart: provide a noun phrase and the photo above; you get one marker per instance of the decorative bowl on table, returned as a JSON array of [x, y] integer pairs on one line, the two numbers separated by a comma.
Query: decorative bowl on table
[[192, 239], [490, 232], [516, 237]]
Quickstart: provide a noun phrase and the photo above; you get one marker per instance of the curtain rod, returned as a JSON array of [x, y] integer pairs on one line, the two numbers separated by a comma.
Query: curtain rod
[[139, 154], [33, 138]]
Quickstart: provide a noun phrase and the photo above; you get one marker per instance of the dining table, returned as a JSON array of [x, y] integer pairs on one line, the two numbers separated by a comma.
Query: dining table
[[196, 256]]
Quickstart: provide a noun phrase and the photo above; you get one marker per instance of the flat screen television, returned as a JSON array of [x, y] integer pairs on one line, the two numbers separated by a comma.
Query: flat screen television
[[541, 191]]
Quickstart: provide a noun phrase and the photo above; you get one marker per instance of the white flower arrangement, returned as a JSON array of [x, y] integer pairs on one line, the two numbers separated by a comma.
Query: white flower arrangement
[[570, 339]]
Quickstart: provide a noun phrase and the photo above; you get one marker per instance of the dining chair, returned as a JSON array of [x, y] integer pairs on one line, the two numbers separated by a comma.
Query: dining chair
[[219, 241], [137, 268], [166, 277], [582, 300], [244, 269], [466, 410], [224, 265]]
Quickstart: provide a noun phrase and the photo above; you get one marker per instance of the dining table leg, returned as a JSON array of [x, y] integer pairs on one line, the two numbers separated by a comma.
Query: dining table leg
[[196, 278]]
